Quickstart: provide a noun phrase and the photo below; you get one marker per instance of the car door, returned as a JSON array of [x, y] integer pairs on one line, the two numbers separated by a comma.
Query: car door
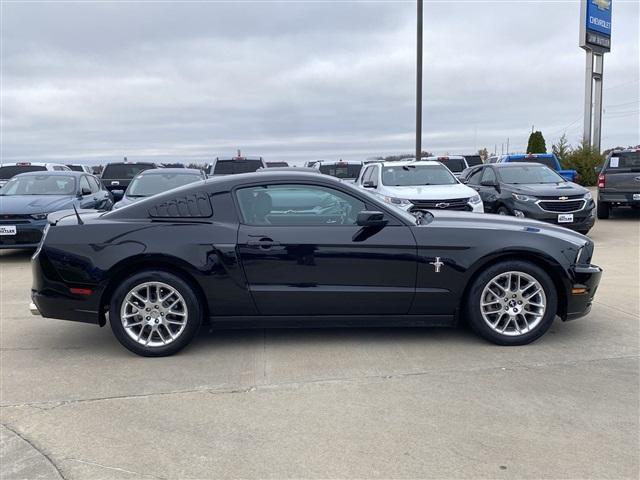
[[103, 201], [303, 254], [87, 198]]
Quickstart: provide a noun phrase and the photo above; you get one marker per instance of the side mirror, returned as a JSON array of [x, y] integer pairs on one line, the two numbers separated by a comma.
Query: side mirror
[[369, 184], [85, 191], [464, 180], [368, 218]]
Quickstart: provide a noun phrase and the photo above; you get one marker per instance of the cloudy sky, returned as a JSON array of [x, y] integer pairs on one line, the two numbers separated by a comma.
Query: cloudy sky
[[297, 80]]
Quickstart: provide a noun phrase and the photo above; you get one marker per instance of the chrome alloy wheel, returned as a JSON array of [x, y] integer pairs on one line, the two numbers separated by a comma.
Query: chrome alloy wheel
[[513, 303], [154, 314]]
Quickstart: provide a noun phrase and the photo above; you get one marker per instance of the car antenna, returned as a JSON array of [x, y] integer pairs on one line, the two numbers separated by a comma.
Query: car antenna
[[80, 222]]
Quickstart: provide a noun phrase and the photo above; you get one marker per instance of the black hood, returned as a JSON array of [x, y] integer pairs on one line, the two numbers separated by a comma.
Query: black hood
[[561, 189]]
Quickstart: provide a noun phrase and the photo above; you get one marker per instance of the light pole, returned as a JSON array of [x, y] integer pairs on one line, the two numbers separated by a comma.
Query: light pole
[[419, 85]]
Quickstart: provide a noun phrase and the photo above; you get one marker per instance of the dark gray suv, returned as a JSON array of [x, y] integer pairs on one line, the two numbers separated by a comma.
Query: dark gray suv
[[619, 181]]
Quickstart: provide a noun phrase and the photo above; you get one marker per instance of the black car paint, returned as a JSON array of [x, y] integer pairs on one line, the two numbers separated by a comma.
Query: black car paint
[[269, 275], [501, 195]]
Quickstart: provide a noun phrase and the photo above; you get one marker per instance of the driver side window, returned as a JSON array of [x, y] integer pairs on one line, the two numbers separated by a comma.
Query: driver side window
[[474, 178], [84, 184], [297, 205], [489, 175]]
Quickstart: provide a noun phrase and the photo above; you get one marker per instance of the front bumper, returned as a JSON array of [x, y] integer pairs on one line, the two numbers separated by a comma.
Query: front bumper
[[587, 278], [28, 235], [583, 219]]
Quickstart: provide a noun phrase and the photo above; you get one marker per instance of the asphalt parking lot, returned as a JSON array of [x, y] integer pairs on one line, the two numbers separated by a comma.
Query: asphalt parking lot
[[355, 403]]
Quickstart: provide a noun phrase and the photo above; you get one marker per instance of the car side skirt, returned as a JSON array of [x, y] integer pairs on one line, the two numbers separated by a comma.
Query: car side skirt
[[321, 321]]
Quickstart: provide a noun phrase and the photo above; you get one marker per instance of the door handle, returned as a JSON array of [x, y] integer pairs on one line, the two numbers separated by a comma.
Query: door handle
[[263, 242]]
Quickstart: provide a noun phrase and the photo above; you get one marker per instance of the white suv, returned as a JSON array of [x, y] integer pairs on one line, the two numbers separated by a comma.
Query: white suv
[[8, 170], [416, 186]]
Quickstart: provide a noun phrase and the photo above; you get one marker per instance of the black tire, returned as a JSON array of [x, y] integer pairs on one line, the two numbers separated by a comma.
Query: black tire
[[473, 309], [603, 210], [193, 313], [503, 211]]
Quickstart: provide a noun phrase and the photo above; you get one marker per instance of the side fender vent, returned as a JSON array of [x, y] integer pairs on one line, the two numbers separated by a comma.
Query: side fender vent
[[195, 205]]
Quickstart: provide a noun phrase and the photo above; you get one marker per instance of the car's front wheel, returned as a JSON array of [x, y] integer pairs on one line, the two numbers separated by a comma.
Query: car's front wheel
[[512, 303], [154, 313]]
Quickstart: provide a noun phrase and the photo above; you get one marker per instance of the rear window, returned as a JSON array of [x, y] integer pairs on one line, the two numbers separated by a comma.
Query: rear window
[[456, 165], [624, 161], [341, 171], [11, 171], [124, 170], [231, 167], [548, 161], [75, 168], [473, 160]]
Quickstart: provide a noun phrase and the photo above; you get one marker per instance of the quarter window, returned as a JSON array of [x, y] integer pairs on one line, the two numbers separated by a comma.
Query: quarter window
[[297, 205]]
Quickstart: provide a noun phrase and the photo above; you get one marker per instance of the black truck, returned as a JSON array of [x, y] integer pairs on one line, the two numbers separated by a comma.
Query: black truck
[[619, 181], [116, 177]]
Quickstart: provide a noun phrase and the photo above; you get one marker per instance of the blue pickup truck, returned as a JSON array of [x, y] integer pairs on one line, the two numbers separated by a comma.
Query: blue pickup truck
[[548, 159]]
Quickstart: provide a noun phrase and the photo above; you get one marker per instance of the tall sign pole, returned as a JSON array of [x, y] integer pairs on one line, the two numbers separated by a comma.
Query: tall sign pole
[[419, 85], [595, 39]]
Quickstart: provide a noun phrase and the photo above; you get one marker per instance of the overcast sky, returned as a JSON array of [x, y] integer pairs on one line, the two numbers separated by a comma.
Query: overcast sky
[[188, 81]]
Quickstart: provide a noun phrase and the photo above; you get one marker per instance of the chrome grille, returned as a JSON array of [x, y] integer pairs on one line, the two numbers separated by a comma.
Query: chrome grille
[[448, 204]]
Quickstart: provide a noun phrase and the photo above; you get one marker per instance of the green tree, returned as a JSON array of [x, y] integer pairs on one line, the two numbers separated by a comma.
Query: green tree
[[562, 150], [584, 159], [536, 143]]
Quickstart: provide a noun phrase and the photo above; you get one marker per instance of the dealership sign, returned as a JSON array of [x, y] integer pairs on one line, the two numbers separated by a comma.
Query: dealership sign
[[595, 25]]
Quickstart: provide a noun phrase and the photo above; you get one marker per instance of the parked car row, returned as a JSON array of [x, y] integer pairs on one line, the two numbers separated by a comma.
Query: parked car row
[[532, 186]]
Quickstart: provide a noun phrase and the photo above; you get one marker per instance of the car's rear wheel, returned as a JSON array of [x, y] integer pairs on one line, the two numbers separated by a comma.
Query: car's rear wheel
[[154, 313], [603, 210], [512, 303], [503, 211]]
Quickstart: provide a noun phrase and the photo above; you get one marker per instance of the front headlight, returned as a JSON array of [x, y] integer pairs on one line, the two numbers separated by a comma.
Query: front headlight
[[475, 200], [587, 196], [397, 201], [39, 216], [523, 198]]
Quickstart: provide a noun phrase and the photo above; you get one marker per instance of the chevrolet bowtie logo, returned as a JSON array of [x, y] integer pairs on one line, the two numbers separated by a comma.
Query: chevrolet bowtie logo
[[602, 4], [563, 198], [442, 205]]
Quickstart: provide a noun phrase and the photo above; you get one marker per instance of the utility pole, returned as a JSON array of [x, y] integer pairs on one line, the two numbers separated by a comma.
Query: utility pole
[[419, 83], [507, 145]]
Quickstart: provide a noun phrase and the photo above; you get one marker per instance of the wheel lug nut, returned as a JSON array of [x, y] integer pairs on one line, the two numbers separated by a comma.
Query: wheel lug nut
[[519, 302], [148, 309], [513, 296], [148, 318], [515, 309]]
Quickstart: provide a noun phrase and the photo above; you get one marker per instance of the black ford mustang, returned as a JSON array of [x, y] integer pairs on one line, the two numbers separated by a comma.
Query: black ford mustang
[[293, 248]]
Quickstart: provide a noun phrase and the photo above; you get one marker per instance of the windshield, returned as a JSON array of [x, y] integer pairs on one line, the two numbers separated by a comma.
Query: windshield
[[75, 168], [529, 174], [624, 161], [151, 184], [119, 171], [10, 171], [231, 167], [548, 161], [40, 185], [341, 171], [413, 175], [456, 165]]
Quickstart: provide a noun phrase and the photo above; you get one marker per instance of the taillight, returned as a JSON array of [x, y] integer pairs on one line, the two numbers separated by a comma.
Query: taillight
[[601, 180]]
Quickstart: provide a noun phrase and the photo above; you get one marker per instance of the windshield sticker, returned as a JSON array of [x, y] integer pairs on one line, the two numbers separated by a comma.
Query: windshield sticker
[[614, 162]]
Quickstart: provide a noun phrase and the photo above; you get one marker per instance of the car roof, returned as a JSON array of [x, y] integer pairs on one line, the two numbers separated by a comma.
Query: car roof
[[339, 162], [159, 171], [445, 157], [528, 155], [288, 169], [403, 163], [53, 173], [128, 163], [515, 164], [27, 164]]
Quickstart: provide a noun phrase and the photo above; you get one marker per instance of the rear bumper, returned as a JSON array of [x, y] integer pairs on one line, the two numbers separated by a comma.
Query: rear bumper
[[585, 277], [51, 296], [621, 198]]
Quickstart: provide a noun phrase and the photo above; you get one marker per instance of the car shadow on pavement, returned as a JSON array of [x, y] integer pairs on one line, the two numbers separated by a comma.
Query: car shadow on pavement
[[16, 256]]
